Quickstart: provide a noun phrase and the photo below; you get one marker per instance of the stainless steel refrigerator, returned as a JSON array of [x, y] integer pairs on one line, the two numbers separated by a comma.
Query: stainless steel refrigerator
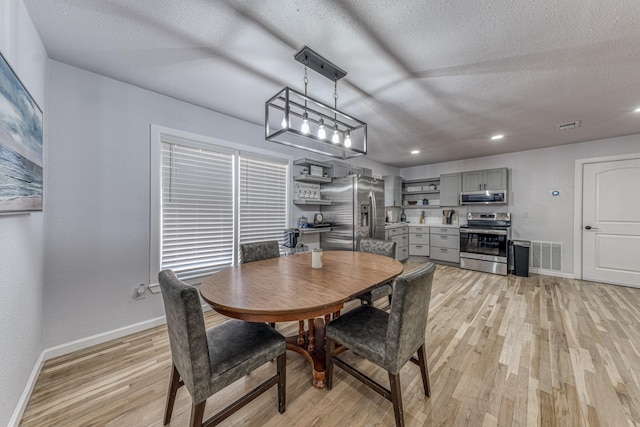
[[356, 211]]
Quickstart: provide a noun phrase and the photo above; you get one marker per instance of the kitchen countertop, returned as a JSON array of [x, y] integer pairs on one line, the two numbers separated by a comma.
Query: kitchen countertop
[[390, 225]]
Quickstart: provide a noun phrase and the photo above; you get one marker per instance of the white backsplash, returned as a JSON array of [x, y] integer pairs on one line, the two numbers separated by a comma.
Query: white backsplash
[[433, 216]]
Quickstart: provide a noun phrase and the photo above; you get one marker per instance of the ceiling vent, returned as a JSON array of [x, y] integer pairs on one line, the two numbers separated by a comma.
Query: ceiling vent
[[569, 126]]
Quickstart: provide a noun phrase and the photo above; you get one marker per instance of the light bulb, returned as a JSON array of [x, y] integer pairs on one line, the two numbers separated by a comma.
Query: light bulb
[[347, 140], [322, 134], [336, 136], [305, 124]]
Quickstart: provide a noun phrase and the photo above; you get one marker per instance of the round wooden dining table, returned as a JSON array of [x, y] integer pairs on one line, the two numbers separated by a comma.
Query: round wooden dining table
[[287, 289]]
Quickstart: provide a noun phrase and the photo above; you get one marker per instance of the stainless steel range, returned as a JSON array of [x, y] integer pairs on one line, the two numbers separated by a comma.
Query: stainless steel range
[[484, 242]]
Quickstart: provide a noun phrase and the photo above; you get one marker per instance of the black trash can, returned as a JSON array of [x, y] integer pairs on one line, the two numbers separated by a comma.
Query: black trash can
[[521, 257]]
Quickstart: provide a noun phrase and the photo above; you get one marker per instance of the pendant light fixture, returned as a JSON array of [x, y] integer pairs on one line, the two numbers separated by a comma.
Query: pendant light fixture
[[297, 120]]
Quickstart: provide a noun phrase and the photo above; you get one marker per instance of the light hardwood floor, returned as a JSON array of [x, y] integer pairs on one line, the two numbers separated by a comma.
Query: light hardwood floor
[[502, 351]]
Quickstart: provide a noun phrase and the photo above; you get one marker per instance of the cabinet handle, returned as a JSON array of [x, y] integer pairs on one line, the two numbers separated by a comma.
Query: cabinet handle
[[418, 246], [444, 237], [444, 250]]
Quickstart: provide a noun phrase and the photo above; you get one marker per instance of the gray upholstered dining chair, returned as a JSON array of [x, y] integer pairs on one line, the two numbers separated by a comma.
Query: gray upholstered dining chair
[[206, 361], [250, 252], [387, 339], [379, 247]]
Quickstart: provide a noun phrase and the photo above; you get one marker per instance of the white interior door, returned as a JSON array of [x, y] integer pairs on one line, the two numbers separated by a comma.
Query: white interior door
[[611, 222]]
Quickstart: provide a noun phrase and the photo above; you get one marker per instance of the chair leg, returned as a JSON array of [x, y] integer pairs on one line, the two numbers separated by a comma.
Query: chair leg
[[197, 412], [282, 382], [174, 385], [328, 369], [396, 399], [424, 369]]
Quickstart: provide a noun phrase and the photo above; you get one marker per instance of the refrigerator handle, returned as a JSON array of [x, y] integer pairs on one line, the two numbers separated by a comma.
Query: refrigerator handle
[[374, 215]]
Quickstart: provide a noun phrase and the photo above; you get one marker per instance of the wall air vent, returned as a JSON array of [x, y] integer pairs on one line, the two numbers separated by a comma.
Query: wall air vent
[[546, 256], [569, 126]]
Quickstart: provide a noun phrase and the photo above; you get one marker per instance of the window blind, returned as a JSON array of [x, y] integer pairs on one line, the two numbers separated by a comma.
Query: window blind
[[197, 210], [262, 199]]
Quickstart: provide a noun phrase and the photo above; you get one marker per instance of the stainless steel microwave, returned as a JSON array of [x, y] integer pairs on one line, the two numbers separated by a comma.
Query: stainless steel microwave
[[488, 197]]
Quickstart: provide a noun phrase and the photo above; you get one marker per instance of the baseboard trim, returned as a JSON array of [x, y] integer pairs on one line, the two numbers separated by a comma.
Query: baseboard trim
[[76, 345], [83, 343], [15, 419], [69, 347], [551, 273]]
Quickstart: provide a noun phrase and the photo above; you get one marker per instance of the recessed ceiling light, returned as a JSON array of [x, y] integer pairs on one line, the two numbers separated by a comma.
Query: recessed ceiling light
[[415, 151], [637, 110], [496, 137]]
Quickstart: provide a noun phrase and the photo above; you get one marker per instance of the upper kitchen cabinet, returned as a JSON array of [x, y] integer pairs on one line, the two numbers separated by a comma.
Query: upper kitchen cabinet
[[337, 169], [488, 179], [450, 188], [392, 190]]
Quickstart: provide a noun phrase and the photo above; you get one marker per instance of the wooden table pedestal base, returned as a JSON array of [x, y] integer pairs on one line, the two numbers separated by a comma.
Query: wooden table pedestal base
[[315, 354]]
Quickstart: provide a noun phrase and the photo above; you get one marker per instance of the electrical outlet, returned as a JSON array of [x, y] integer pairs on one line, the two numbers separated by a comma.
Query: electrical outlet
[[138, 292]]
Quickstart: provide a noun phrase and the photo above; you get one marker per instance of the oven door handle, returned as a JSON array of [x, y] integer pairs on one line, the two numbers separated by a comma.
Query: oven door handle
[[483, 231]]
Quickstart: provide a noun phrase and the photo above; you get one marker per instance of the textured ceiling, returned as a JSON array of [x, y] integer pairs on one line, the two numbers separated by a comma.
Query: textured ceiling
[[441, 76]]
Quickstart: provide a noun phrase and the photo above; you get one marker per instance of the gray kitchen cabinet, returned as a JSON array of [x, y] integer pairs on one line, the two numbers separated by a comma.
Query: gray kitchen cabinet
[[450, 188], [444, 244], [392, 190], [418, 241], [337, 169], [400, 235], [488, 179]]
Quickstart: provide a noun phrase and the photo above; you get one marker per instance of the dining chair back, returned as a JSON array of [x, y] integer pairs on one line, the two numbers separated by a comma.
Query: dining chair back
[[408, 316], [379, 247], [206, 361], [389, 340], [250, 252]]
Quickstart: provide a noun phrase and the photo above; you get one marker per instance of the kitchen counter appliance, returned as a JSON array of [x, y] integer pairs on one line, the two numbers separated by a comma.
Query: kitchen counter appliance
[[484, 242], [356, 211]]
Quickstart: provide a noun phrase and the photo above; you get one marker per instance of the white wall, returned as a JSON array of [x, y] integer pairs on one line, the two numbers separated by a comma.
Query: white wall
[[97, 241], [21, 236], [533, 176]]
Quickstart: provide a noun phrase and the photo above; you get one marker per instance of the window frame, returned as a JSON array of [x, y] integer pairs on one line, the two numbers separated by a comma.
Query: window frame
[[161, 134]]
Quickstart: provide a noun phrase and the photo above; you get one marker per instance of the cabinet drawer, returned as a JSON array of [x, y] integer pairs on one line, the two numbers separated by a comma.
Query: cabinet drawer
[[419, 238], [420, 229], [445, 254], [393, 232], [420, 250], [402, 253], [403, 230], [401, 241], [445, 241], [445, 230]]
